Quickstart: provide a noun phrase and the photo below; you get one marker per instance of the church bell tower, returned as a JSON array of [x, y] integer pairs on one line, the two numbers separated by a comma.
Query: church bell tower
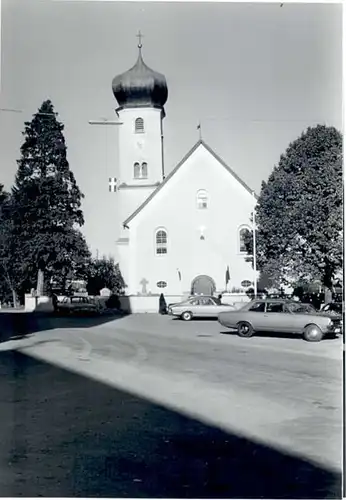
[[141, 94]]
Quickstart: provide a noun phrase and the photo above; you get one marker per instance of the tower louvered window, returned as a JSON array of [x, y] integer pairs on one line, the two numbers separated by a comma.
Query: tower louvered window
[[140, 171], [139, 126], [136, 170], [144, 170]]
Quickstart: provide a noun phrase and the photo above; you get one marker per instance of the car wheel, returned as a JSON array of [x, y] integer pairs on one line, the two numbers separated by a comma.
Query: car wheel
[[186, 316], [312, 333], [245, 329]]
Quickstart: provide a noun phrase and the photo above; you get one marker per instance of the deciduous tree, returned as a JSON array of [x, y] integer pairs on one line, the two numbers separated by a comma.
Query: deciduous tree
[[299, 214], [104, 273]]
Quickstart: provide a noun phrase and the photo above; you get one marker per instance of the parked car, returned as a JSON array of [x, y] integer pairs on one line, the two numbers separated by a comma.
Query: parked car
[[281, 316], [199, 307], [78, 304]]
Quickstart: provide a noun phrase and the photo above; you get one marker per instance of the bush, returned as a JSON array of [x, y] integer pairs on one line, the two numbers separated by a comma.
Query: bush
[[113, 302]]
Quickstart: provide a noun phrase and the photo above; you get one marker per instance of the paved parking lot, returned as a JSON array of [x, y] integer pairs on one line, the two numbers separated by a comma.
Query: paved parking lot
[[282, 393], [212, 331]]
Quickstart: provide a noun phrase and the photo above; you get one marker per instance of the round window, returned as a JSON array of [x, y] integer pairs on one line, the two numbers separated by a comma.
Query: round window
[[161, 284]]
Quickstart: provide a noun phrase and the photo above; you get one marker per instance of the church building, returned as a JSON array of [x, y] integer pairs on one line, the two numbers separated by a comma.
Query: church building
[[181, 233]]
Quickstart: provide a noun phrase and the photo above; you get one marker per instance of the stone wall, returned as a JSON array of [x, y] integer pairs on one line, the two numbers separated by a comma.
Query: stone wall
[[38, 304], [150, 303]]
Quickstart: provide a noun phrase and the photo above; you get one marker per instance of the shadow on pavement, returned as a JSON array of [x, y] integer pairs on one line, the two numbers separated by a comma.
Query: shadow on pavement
[[274, 335], [64, 435], [194, 320], [17, 324]]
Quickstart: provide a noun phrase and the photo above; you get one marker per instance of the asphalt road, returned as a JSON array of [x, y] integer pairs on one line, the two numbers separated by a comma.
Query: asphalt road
[[152, 407]]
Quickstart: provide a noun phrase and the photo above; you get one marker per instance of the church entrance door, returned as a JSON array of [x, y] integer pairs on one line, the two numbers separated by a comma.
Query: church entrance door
[[203, 285]]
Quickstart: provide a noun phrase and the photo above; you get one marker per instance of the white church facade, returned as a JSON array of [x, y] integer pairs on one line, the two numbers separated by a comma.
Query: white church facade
[[182, 233]]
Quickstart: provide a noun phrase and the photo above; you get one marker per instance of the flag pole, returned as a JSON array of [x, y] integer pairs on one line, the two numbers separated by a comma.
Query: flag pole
[[254, 245]]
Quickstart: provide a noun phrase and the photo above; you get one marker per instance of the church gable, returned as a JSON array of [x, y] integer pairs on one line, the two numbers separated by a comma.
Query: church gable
[[190, 161]]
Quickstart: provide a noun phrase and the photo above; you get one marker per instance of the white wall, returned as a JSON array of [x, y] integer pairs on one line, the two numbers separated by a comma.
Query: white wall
[[41, 304], [137, 147], [174, 208], [150, 303]]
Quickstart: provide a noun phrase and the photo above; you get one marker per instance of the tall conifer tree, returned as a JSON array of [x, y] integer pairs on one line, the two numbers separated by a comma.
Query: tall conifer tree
[[46, 200]]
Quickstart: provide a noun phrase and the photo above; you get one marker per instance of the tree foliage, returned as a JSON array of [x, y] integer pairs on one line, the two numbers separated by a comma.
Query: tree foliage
[[67, 255], [104, 273], [7, 289], [299, 215], [46, 201]]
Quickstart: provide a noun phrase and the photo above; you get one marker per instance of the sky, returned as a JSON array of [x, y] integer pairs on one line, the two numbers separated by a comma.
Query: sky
[[255, 74]]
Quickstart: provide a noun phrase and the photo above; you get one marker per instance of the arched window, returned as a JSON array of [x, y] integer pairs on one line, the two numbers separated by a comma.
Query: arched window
[[202, 199], [144, 170], [139, 126], [161, 242], [136, 170], [243, 234]]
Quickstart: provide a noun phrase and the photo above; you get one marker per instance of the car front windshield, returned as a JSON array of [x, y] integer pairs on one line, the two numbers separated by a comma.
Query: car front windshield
[[301, 308]]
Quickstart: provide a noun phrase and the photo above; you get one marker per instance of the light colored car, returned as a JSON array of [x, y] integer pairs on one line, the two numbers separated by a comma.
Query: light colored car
[[78, 304], [281, 316], [199, 307]]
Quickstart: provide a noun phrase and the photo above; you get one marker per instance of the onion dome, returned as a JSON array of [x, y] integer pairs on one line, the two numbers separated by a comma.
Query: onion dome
[[140, 86]]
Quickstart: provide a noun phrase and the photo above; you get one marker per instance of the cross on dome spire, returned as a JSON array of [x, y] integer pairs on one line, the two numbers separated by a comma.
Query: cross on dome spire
[[139, 36]]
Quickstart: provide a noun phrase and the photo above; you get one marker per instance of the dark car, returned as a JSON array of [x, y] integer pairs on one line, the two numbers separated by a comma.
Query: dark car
[[280, 316], [332, 308], [78, 304]]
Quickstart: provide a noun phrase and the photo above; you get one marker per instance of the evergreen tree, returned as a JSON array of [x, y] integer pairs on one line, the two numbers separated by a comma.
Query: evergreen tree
[[299, 214], [46, 200]]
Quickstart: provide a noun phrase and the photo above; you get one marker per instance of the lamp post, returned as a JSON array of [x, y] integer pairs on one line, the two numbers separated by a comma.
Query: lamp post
[[254, 245]]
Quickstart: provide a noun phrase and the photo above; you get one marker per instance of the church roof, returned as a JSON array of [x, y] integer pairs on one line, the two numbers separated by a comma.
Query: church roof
[[174, 171]]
